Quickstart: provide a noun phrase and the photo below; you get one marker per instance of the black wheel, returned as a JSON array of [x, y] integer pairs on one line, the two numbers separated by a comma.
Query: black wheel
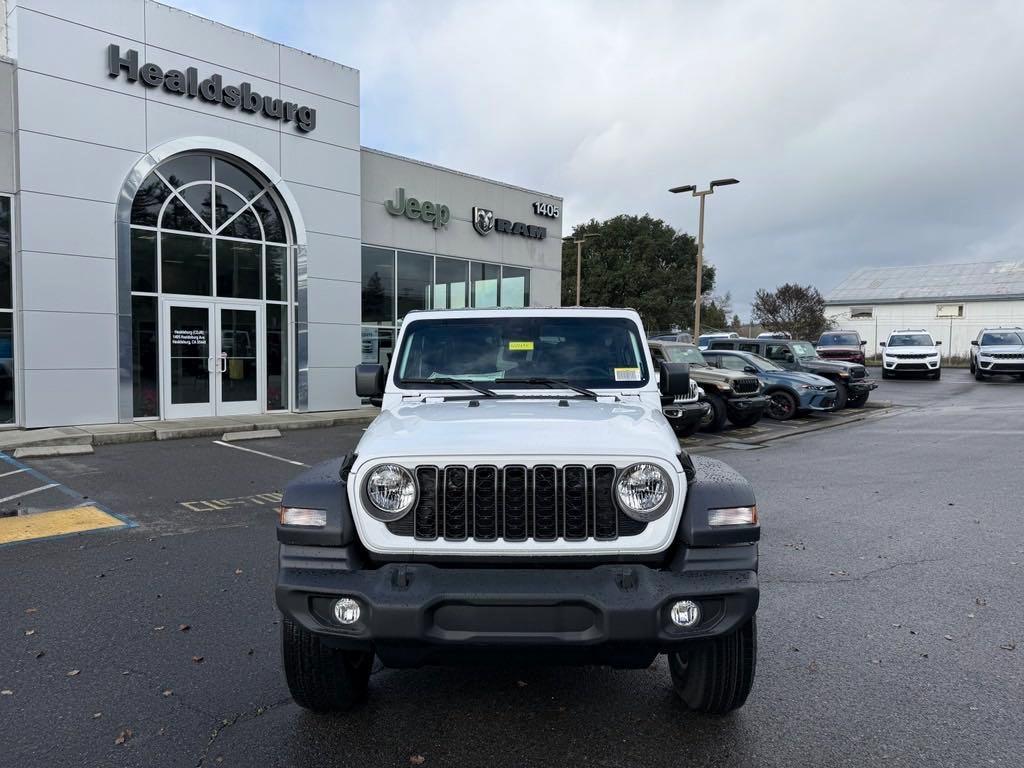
[[858, 401], [321, 678], [972, 365], [715, 420], [842, 394], [715, 676], [745, 419], [886, 374], [687, 430], [937, 375], [978, 375], [781, 405]]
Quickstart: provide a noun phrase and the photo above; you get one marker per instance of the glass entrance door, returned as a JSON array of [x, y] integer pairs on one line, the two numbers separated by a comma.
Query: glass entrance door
[[213, 359]]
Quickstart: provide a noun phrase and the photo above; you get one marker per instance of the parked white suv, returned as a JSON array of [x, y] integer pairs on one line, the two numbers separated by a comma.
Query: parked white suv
[[998, 350], [911, 350], [705, 339]]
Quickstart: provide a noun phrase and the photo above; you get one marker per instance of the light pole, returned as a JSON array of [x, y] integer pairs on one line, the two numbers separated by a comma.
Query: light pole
[[700, 240], [579, 259]]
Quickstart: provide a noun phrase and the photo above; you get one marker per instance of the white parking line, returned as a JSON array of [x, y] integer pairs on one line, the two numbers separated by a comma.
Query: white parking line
[[15, 472], [258, 453], [27, 493]]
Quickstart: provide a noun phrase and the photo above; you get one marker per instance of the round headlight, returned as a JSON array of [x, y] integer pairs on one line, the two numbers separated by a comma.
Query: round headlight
[[643, 492], [391, 492]]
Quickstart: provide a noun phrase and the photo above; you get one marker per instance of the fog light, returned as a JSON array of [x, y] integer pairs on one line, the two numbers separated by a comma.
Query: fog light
[[346, 611], [685, 613]]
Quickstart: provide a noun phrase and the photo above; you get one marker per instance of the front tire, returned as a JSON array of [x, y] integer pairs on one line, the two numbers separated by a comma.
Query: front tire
[[782, 406], [321, 678], [887, 374], [858, 401], [715, 421], [937, 375], [979, 376], [842, 395], [715, 676]]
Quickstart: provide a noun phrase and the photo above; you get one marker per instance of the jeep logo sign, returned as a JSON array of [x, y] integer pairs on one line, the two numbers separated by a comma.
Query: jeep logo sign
[[436, 214]]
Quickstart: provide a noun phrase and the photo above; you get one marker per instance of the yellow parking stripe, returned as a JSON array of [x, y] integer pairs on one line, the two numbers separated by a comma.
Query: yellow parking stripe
[[55, 523]]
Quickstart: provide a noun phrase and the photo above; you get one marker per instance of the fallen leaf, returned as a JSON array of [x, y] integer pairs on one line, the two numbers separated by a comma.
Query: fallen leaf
[[123, 736], [39, 654], [876, 661], [948, 637], [973, 709], [97, 715], [250, 652], [923, 655], [818, 616], [159, 629], [1008, 646], [417, 760], [980, 601], [6, 692], [168, 692], [31, 610], [197, 659], [521, 683], [238, 571], [970, 615], [184, 628], [29, 632], [73, 673]]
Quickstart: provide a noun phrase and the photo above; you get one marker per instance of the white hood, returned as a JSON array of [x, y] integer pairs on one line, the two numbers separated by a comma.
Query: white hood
[[504, 427]]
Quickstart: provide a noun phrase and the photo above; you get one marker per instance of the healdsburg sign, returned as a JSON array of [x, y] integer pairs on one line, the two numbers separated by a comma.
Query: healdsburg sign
[[211, 89]]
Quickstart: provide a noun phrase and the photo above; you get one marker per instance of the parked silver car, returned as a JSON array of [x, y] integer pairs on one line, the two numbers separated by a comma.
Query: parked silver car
[[998, 351]]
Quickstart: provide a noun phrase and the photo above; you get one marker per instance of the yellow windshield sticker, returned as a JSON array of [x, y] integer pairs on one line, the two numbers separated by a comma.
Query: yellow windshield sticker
[[627, 374], [520, 346]]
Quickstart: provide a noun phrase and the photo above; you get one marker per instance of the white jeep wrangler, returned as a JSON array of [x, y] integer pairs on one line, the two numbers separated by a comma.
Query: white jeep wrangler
[[520, 498]]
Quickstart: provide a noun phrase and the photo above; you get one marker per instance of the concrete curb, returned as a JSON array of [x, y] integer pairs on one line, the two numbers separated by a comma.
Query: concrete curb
[[256, 434], [47, 451], [135, 432]]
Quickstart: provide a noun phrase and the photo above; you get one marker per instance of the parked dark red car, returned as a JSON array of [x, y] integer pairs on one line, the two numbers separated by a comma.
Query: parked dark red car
[[842, 345]]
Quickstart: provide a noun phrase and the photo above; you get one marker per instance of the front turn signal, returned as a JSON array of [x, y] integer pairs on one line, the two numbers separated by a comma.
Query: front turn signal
[[733, 516]]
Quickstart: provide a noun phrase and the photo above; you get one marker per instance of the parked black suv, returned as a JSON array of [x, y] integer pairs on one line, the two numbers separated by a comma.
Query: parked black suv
[[852, 383]]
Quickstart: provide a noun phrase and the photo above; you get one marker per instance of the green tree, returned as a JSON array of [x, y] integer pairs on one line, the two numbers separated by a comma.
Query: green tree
[[736, 323], [637, 262], [796, 309]]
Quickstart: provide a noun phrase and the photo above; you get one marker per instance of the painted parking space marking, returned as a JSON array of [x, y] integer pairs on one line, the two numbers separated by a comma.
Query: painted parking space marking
[[78, 515], [29, 492], [58, 522], [217, 505], [260, 453]]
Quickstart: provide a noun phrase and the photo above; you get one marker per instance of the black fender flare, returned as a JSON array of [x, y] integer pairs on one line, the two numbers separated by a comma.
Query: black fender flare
[[716, 486], [322, 486]]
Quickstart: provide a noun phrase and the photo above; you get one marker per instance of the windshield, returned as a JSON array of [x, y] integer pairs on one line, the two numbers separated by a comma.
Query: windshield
[[592, 352], [1002, 339], [684, 355], [764, 363], [839, 340], [910, 340], [803, 349]]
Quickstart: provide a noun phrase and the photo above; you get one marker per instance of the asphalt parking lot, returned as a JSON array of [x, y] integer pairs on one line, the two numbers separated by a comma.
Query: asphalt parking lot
[[890, 624]]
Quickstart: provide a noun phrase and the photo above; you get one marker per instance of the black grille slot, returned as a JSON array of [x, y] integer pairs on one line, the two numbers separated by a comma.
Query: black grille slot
[[574, 500], [745, 386], [456, 503], [545, 504], [485, 503], [858, 372], [606, 516], [515, 504], [426, 507]]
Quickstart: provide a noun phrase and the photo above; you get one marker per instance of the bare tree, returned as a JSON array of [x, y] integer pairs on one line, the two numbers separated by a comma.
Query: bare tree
[[796, 309]]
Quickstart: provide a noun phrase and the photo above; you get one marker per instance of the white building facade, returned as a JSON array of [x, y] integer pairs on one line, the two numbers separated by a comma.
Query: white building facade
[[953, 302], [190, 227]]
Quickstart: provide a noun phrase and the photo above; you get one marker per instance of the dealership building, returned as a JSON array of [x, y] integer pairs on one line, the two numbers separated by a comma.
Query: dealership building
[[190, 227]]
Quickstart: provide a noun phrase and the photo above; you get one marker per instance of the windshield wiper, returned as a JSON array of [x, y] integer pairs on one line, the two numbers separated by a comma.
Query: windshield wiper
[[553, 383], [452, 382]]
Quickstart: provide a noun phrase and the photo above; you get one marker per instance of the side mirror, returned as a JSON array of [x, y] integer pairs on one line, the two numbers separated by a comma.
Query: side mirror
[[863, 342], [370, 380], [881, 343], [974, 342], [674, 379], [938, 343], [749, 369]]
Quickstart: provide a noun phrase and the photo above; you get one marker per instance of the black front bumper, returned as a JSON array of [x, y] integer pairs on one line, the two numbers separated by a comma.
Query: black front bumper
[[746, 405], [414, 614], [859, 386], [684, 415]]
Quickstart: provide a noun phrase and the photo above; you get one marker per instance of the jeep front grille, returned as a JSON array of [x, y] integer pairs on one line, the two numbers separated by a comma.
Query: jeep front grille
[[745, 386], [516, 503]]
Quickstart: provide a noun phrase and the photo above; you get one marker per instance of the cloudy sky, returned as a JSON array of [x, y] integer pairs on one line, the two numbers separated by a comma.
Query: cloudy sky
[[863, 133]]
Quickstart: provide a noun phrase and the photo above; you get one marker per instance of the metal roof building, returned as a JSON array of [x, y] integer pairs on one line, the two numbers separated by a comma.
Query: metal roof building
[[953, 302], [993, 280]]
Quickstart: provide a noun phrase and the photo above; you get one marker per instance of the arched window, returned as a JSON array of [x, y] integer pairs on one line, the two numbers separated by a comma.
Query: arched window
[[203, 225]]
